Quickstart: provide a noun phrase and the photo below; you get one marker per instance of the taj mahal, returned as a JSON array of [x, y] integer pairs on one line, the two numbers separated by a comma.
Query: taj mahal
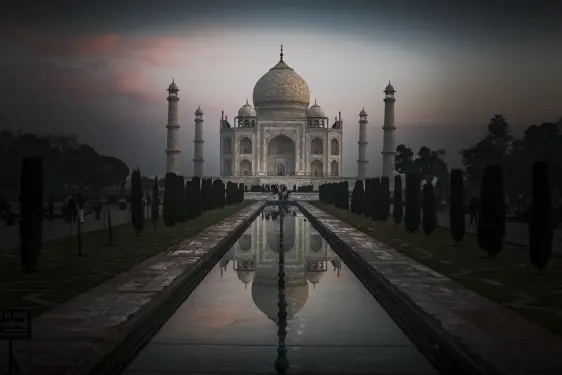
[[281, 139]]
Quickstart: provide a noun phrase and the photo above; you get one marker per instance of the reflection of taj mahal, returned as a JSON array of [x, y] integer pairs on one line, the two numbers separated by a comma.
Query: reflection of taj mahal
[[255, 259]]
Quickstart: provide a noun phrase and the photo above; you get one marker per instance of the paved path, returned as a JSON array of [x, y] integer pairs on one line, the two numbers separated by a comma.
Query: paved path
[[506, 341], [75, 336], [59, 228], [515, 233]]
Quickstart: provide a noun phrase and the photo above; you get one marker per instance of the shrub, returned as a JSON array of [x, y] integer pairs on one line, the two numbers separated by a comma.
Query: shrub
[[375, 199], [457, 210], [385, 198], [181, 204], [137, 203], [187, 201], [241, 188], [168, 209], [429, 212], [368, 197], [155, 209], [412, 218], [398, 209], [541, 229], [491, 219], [31, 210], [195, 196], [357, 198]]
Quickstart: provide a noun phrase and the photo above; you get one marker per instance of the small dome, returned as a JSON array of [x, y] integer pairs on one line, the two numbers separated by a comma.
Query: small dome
[[363, 113], [389, 88], [173, 86], [246, 276], [198, 111], [247, 110], [315, 111]]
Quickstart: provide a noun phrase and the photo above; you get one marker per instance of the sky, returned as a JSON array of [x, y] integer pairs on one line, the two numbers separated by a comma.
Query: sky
[[99, 69]]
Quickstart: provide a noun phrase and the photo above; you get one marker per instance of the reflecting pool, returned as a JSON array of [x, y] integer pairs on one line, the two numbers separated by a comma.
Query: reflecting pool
[[231, 323]]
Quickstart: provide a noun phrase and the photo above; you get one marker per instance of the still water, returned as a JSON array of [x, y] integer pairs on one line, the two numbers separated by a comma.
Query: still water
[[229, 323]]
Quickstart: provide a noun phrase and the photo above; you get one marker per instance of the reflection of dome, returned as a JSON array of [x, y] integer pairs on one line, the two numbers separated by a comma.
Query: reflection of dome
[[247, 111], [314, 277], [281, 87], [265, 296], [315, 242], [246, 276]]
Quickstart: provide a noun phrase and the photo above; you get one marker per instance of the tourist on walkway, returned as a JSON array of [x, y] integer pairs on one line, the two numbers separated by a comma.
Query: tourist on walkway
[[80, 207]]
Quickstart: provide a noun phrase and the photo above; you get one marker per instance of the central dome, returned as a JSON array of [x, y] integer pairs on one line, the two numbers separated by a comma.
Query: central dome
[[281, 87]]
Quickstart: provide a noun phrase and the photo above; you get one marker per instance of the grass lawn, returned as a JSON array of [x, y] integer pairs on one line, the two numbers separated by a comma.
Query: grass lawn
[[64, 275], [510, 280]]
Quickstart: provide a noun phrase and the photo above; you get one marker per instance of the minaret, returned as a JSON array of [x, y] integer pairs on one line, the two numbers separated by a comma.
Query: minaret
[[198, 144], [173, 152], [388, 146], [362, 160]]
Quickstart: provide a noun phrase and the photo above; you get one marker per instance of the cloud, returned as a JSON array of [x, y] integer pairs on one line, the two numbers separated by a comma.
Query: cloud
[[102, 45]]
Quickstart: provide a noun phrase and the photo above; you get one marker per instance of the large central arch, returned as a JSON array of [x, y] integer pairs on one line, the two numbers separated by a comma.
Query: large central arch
[[281, 156]]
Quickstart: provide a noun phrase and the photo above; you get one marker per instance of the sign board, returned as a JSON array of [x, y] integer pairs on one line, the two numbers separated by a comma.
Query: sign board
[[15, 324]]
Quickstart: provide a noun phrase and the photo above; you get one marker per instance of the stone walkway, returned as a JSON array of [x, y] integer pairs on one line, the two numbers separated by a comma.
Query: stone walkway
[[510, 344], [75, 336], [59, 228], [515, 233]]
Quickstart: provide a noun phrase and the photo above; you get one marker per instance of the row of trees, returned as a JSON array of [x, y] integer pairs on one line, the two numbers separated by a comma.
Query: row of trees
[[420, 207], [65, 163], [516, 156]]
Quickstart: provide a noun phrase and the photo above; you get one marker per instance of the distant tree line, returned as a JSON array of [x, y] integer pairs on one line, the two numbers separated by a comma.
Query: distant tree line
[[65, 163]]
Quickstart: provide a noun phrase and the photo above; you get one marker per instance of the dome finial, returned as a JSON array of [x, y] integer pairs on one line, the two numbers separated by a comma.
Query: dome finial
[[246, 101], [315, 101], [281, 54]]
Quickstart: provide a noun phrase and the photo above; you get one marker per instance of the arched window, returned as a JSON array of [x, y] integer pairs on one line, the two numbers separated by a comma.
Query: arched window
[[334, 147], [253, 123], [246, 123], [316, 146]]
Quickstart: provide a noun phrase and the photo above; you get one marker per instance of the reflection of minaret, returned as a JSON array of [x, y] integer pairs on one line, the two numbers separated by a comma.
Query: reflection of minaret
[[362, 159], [281, 363], [173, 152], [198, 144], [388, 147]]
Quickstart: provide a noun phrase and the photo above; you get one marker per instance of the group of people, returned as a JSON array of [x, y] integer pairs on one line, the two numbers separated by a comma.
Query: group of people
[[74, 207]]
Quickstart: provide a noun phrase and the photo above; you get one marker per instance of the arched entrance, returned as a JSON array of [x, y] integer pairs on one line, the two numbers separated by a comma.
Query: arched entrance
[[281, 157]]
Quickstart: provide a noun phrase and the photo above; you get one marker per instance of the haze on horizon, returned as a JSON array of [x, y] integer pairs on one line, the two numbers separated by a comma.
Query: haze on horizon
[[100, 69]]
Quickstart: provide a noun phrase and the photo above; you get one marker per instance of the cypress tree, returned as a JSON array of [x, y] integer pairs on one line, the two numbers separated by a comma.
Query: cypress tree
[[31, 210], [195, 196], [155, 209], [181, 206], [188, 202], [385, 199], [398, 208], [168, 209], [368, 197], [541, 228], [137, 202], [241, 190], [413, 215], [457, 211], [491, 219], [429, 211], [376, 199], [357, 197], [345, 195]]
